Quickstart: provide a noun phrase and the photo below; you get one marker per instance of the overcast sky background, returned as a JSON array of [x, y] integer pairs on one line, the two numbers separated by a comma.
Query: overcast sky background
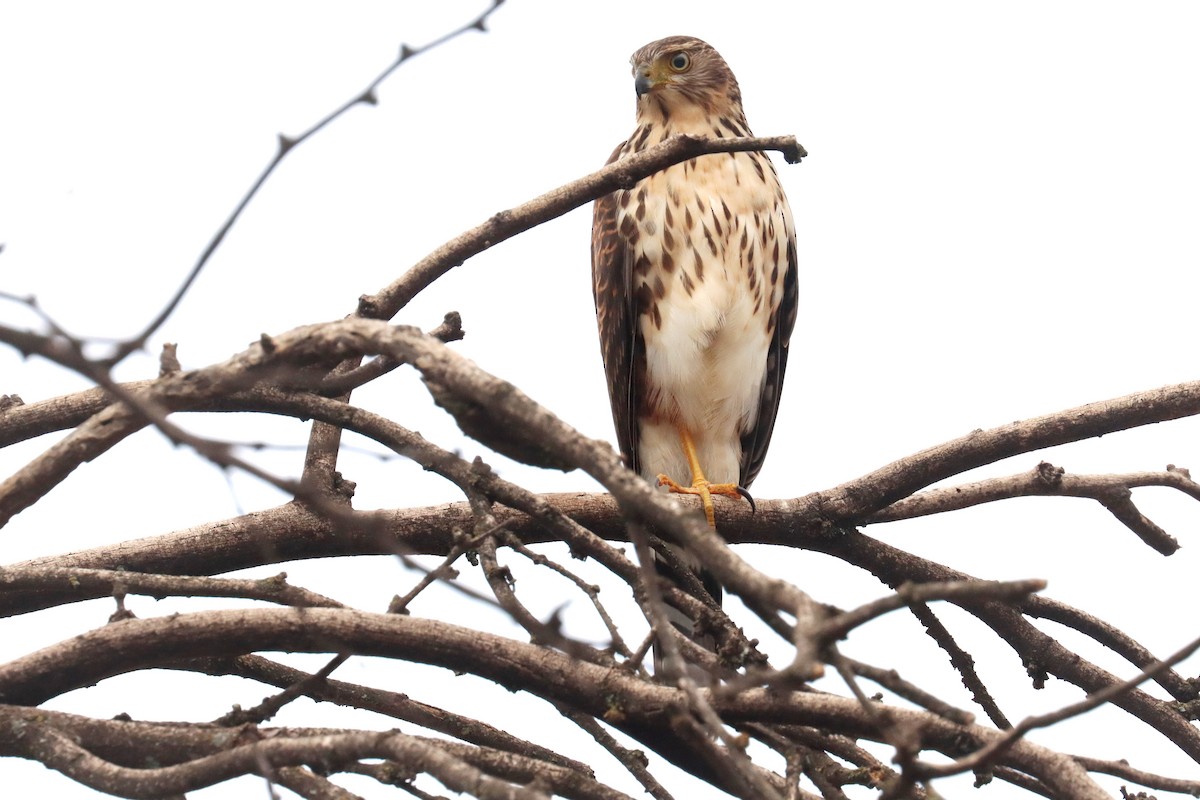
[[997, 220]]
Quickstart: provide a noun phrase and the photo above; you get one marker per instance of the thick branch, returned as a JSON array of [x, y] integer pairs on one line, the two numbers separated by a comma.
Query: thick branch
[[859, 498], [58, 751], [646, 709], [393, 704]]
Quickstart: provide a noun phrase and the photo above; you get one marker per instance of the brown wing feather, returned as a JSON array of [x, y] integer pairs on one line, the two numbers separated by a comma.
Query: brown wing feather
[[621, 343], [754, 443]]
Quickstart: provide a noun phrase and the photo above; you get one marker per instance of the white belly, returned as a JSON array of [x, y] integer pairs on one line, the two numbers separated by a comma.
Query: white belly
[[706, 348]]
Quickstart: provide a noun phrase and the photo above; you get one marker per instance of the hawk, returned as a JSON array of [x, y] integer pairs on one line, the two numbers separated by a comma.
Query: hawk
[[694, 278]]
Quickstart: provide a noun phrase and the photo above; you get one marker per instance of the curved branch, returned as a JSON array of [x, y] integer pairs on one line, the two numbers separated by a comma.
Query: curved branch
[[1121, 769], [19, 423], [1112, 638], [391, 704], [894, 567], [859, 498], [97, 435], [784, 522], [838, 626], [994, 749], [1046, 480], [839, 505], [135, 744], [506, 224], [291, 532], [59, 752], [646, 709]]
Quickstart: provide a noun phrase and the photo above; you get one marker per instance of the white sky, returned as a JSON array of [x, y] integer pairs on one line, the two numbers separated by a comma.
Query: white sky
[[997, 220]]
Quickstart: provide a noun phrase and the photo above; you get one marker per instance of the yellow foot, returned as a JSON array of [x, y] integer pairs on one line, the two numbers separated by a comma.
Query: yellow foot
[[705, 490]]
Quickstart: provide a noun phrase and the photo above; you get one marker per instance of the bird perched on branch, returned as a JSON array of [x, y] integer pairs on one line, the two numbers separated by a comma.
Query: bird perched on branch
[[694, 277]]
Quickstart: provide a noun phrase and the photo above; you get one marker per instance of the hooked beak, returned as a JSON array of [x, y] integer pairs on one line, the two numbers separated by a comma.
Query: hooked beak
[[643, 83], [647, 77]]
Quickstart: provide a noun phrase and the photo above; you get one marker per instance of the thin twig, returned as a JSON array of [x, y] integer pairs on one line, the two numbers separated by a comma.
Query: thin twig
[[1150, 780], [591, 591], [890, 679], [275, 589], [997, 747], [286, 145], [837, 627], [634, 761]]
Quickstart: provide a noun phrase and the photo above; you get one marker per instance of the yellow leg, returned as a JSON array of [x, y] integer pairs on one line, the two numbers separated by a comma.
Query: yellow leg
[[700, 484]]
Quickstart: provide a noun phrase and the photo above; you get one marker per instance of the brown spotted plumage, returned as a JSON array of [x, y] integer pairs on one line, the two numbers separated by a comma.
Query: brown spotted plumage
[[694, 275]]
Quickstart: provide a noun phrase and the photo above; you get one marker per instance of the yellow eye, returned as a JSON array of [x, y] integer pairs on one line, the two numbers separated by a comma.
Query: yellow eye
[[680, 62]]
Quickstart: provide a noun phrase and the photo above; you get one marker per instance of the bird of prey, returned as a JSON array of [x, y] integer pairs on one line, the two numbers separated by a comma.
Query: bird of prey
[[694, 278]]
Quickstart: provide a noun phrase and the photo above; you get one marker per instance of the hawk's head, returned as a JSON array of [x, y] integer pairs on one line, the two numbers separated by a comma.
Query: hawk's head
[[681, 72]]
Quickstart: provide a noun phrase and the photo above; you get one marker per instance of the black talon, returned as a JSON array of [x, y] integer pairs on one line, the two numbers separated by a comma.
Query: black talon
[[745, 493]]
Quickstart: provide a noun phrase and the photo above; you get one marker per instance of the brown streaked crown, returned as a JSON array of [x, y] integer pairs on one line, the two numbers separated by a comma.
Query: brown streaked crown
[[704, 79]]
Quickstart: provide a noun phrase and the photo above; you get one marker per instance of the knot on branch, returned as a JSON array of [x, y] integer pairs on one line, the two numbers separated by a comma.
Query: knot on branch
[[168, 360], [451, 329], [368, 307], [1049, 475]]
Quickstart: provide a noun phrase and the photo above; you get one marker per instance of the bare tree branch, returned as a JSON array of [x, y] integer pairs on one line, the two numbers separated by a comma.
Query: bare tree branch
[[507, 224], [286, 145], [995, 748], [1047, 480], [59, 752], [95, 582], [862, 497], [687, 724]]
